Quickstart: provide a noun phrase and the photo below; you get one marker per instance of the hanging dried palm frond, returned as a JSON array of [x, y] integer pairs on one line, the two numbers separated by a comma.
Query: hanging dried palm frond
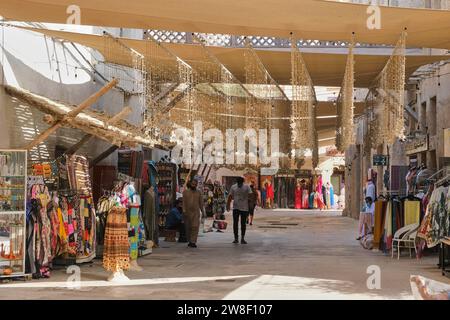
[[344, 126], [302, 122], [390, 87]]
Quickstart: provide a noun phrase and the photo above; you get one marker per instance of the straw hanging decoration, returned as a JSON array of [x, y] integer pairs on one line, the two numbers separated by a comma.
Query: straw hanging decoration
[[389, 86], [302, 121], [345, 106]]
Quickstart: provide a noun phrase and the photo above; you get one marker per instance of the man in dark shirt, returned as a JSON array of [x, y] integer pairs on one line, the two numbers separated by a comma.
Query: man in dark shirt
[[175, 221]]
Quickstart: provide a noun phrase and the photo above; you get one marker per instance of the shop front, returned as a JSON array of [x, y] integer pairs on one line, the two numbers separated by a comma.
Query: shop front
[[291, 188]]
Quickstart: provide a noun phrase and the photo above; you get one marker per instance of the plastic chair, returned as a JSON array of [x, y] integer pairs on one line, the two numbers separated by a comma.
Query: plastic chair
[[405, 238]]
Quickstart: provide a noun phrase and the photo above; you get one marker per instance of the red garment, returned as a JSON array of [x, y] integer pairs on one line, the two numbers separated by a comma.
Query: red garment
[[269, 192], [319, 185], [298, 198]]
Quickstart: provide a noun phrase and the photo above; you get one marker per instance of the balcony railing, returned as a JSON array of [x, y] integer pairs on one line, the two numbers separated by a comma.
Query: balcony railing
[[232, 41]]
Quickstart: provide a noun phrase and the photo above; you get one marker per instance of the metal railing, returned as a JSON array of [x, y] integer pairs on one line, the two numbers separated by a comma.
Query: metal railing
[[232, 41]]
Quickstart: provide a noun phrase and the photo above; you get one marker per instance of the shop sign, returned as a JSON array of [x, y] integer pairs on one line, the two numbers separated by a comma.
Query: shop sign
[[380, 160], [416, 145]]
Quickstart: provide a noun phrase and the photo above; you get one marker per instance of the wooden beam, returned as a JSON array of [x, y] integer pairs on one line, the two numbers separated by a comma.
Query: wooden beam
[[102, 156], [209, 171], [89, 121], [122, 114], [203, 170], [70, 115], [165, 93], [176, 99]]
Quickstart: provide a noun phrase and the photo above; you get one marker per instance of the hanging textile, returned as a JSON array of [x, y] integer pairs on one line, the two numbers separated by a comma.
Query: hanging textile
[[436, 223], [388, 227], [86, 230], [116, 246], [78, 174], [380, 209], [133, 231], [412, 212]]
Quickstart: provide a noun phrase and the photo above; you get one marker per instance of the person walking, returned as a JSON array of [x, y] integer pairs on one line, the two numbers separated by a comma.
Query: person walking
[[239, 193], [253, 201], [192, 206]]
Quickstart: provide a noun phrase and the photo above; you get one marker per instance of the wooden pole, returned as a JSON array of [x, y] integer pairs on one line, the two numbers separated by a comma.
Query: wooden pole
[[87, 137], [188, 178], [122, 114], [73, 113], [209, 171]]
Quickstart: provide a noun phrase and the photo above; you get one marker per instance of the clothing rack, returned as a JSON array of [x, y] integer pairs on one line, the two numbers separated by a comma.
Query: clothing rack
[[443, 181], [444, 242]]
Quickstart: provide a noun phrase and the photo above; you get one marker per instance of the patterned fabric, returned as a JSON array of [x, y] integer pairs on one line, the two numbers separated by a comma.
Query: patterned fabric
[[116, 246], [86, 230], [435, 225], [78, 174], [134, 230]]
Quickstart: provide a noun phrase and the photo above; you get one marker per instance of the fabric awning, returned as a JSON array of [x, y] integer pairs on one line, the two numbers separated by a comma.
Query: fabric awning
[[326, 69], [307, 19]]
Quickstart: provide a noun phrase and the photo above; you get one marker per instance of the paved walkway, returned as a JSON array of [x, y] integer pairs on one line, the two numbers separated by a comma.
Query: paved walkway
[[290, 255]]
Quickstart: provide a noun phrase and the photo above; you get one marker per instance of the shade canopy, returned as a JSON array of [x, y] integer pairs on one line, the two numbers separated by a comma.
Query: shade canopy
[[326, 69], [307, 19]]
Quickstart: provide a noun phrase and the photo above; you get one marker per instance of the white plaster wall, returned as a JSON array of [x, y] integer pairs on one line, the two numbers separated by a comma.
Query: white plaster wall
[[439, 87], [44, 66]]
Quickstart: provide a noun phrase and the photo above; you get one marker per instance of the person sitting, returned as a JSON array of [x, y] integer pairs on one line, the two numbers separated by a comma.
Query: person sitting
[[174, 220]]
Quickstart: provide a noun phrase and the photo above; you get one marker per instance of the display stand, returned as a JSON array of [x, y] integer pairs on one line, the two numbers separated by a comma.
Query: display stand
[[13, 194], [166, 189], [118, 276]]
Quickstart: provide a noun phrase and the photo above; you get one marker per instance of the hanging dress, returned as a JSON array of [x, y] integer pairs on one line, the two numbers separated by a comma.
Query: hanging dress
[[328, 198], [305, 200], [311, 200], [116, 246], [298, 198]]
